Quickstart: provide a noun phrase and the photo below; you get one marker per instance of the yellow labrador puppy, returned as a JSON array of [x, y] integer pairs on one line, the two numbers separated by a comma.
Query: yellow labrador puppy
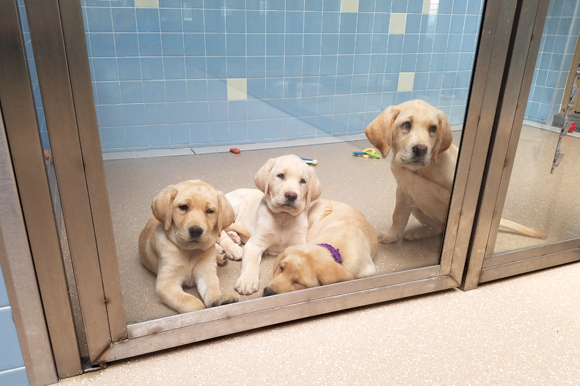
[[273, 217], [178, 244], [341, 246], [424, 166]]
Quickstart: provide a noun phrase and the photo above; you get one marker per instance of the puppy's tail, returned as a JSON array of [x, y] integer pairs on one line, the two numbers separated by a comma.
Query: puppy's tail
[[240, 230], [521, 229]]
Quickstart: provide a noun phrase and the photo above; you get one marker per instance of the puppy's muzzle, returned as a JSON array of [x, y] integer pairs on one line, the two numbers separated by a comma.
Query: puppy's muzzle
[[419, 151], [268, 292], [195, 232], [291, 196]]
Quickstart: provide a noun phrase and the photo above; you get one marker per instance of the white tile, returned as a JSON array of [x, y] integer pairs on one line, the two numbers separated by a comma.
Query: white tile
[[146, 3], [430, 6], [406, 80], [398, 22], [237, 89], [348, 5]]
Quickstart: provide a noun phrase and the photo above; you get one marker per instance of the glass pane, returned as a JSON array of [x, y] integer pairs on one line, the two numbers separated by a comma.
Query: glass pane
[[178, 83], [536, 198]]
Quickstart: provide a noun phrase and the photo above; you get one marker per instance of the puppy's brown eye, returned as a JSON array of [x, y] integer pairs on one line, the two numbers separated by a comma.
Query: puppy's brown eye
[[303, 181], [406, 125], [280, 176], [209, 211], [433, 129], [184, 208], [281, 269]]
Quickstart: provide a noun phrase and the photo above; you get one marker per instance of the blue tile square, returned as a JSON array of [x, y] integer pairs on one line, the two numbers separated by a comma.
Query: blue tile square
[[413, 24], [346, 43], [411, 43], [440, 43], [110, 116], [423, 62], [214, 20], [136, 136], [366, 5], [451, 61], [313, 22], [330, 22], [171, 20], [199, 133], [340, 124], [363, 43], [256, 21], [236, 67], [256, 67], [348, 22], [218, 111], [275, 5], [174, 68], [158, 135], [293, 66], [129, 68], [14, 377], [328, 64], [292, 87], [395, 44], [293, 44], [193, 20], [127, 44], [256, 109], [448, 80], [169, 3], [359, 84], [256, 44], [379, 44], [375, 82], [134, 114], [382, 21], [124, 19], [274, 87], [256, 130], [345, 64], [325, 105], [291, 128], [238, 131], [329, 44], [274, 129], [132, 92], [275, 108], [308, 106], [215, 44], [112, 138], [358, 103], [399, 7], [459, 7], [150, 44], [197, 90], [219, 132], [445, 7], [364, 23], [99, 19], [454, 43], [457, 24], [216, 67], [198, 111], [388, 99], [434, 80], [236, 21], [236, 44], [238, 110], [361, 64], [156, 113], [108, 93], [275, 22], [310, 65], [194, 44], [179, 134], [172, 44], [474, 7], [312, 44], [177, 113], [274, 44], [102, 44], [257, 88], [274, 66], [295, 6], [4, 301], [217, 90], [373, 104], [425, 43], [295, 22], [404, 96], [463, 79], [390, 82], [465, 61], [331, 5], [175, 91], [195, 68], [443, 23], [415, 6], [437, 62], [343, 84], [147, 19]]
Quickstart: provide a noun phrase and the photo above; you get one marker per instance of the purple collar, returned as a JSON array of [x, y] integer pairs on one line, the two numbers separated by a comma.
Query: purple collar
[[335, 253]]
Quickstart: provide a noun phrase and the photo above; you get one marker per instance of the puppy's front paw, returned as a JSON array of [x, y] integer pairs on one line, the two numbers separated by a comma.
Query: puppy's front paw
[[224, 299], [220, 255], [235, 237], [247, 284], [420, 233], [387, 237], [233, 251]]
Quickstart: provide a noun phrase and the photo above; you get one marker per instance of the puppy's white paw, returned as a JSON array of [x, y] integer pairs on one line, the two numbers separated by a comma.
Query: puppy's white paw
[[233, 251], [417, 233], [235, 237], [247, 284], [387, 237], [220, 255]]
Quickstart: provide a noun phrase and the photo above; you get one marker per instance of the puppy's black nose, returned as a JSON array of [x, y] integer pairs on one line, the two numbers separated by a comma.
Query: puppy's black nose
[[291, 196], [268, 292], [419, 150], [195, 231]]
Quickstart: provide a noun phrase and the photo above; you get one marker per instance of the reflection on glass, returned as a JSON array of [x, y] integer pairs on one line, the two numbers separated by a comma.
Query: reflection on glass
[[276, 78]]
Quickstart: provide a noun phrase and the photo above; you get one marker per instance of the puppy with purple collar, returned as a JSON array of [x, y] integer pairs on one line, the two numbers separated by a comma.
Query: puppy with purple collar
[[341, 246]]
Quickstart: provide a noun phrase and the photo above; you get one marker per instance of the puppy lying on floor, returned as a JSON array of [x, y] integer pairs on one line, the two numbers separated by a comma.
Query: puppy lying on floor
[[424, 166], [341, 246], [273, 217], [178, 244]]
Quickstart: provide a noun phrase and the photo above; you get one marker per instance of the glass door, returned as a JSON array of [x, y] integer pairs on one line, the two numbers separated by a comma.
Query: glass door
[[142, 94]]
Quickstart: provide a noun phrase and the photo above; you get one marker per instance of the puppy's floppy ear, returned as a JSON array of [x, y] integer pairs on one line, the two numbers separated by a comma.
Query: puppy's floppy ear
[[331, 272], [279, 259], [162, 206], [314, 188], [262, 178], [226, 214], [445, 137], [380, 131]]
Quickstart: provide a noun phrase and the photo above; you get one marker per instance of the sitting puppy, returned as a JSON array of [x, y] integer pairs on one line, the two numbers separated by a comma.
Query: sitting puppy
[[341, 246], [273, 217], [424, 166], [178, 241]]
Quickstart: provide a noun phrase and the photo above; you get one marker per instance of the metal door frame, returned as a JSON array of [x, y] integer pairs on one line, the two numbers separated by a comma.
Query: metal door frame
[[483, 264], [57, 32]]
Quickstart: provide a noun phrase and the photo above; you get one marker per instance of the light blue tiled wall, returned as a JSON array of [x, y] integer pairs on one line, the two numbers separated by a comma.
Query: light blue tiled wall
[[554, 60], [160, 75]]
